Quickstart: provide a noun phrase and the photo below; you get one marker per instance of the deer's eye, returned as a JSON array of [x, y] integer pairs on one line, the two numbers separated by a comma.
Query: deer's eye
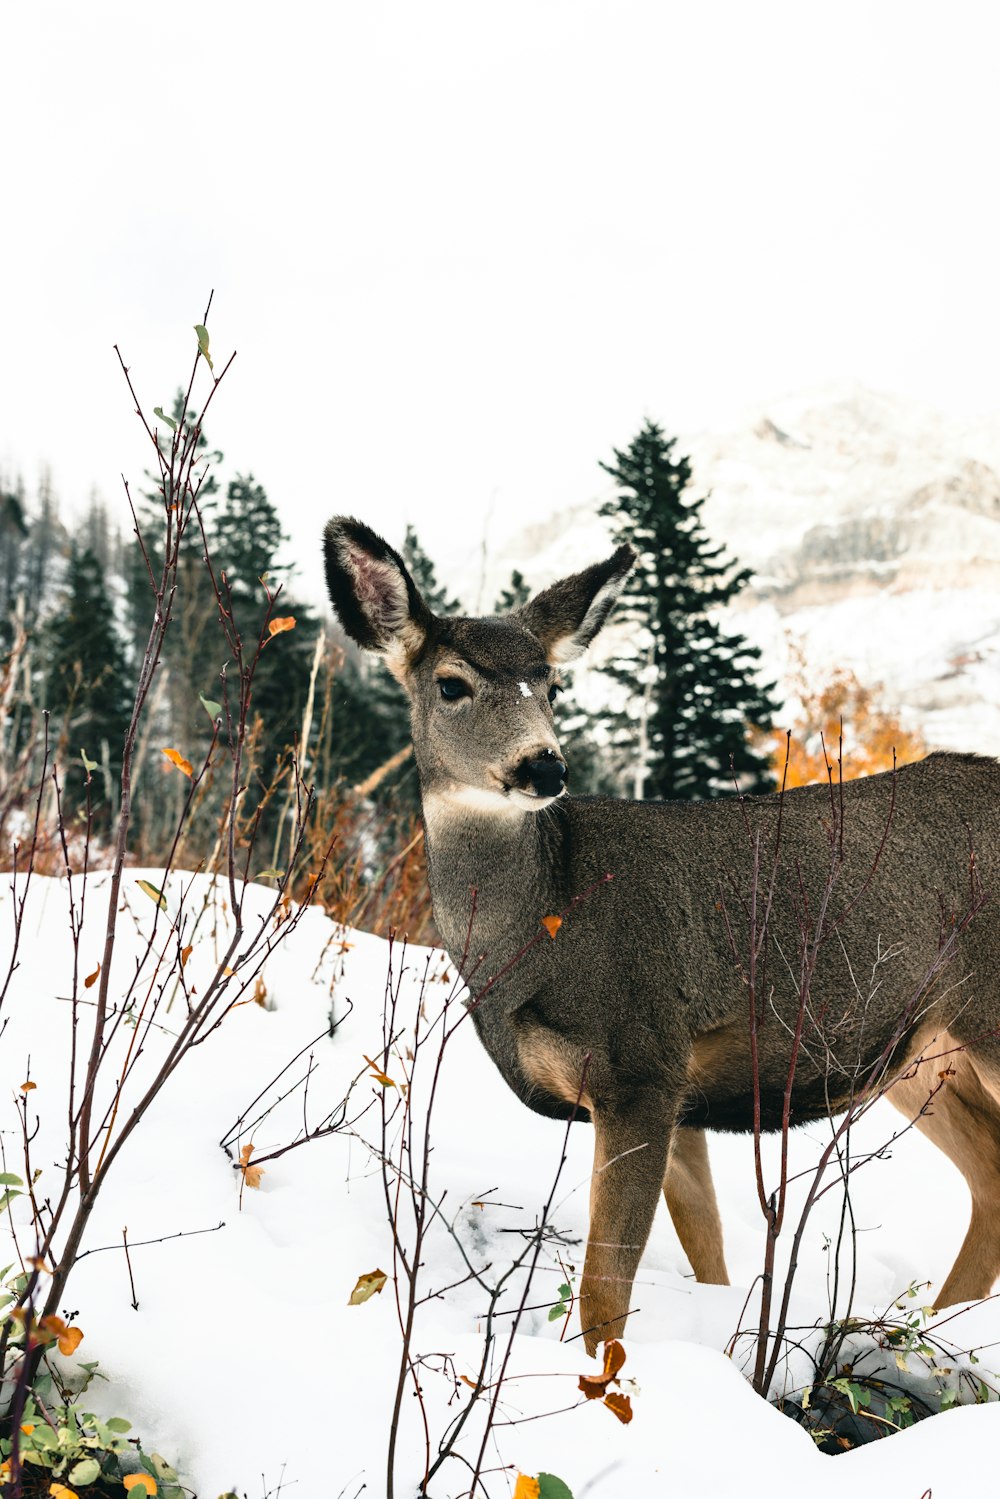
[[452, 688], [554, 691]]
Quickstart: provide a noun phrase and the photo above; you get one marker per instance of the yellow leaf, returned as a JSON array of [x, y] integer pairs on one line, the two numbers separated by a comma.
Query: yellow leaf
[[526, 1488], [251, 1174], [552, 925], [276, 626], [154, 894], [140, 1483], [27, 1087], [176, 758], [377, 1075], [368, 1285], [91, 978]]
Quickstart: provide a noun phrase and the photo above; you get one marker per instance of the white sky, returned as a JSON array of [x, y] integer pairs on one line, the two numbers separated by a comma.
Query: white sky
[[463, 248]]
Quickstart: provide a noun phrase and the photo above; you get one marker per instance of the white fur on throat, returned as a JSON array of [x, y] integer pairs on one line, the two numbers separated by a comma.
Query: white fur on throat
[[440, 807]]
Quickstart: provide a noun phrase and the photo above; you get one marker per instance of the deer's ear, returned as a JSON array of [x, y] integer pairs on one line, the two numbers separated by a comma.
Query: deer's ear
[[376, 600], [567, 616]]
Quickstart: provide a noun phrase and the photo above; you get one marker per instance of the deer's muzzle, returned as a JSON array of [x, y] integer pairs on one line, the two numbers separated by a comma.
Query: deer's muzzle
[[542, 775]]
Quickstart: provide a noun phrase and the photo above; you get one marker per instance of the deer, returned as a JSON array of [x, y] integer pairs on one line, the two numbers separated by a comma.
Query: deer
[[634, 1014]]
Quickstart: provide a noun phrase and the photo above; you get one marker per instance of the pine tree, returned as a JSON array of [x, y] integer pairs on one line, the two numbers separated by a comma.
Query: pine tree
[[691, 685], [421, 570], [246, 539], [514, 595], [87, 690]]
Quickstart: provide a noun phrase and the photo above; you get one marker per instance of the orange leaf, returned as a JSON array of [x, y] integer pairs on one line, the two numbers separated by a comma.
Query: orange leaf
[[91, 978], [251, 1174], [470, 1382], [27, 1428], [377, 1076], [60, 1491], [176, 758], [594, 1386], [70, 1341], [526, 1488], [69, 1338], [275, 626], [142, 1483], [260, 992], [620, 1405], [185, 954], [552, 925], [368, 1285], [27, 1087]]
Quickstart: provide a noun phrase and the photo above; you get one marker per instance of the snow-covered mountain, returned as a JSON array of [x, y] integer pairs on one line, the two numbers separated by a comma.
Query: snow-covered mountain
[[873, 528]]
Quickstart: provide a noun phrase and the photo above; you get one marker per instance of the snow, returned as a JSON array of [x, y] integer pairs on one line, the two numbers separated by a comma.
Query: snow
[[244, 1363]]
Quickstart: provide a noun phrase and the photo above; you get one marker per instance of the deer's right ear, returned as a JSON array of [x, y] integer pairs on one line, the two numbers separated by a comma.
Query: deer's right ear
[[376, 600], [567, 616]]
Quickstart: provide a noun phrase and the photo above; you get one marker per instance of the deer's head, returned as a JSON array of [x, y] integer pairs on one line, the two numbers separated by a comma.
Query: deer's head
[[480, 690]]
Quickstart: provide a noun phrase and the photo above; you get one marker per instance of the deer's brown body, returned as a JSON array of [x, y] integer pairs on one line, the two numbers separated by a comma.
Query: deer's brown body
[[636, 1015]]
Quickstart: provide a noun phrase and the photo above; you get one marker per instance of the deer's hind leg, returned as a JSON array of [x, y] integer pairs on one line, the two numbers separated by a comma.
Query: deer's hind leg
[[690, 1195], [631, 1143], [963, 1120]]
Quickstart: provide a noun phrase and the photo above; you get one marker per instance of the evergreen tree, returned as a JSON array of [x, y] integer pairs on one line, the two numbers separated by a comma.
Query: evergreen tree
[[693, 684], [421, 570], [14, 534], [514, 595], [245, 541], [87, 689]]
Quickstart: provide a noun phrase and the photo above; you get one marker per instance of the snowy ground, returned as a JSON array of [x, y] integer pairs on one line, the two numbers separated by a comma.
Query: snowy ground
[[244, 1363]]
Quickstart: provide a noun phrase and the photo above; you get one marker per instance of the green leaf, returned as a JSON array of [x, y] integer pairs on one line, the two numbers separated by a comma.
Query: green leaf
[[557, 1311], [154, 894], [551, 1487], [159, 411], [7, 1198], [88, 764], [271, 874], [214, 710], [8, 1179], [118, 1423], [162, 1468], [87, 1471], [202, 333]]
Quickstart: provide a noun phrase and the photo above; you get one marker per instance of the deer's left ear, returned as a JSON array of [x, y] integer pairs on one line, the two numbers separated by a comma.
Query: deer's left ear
[[567, 616]]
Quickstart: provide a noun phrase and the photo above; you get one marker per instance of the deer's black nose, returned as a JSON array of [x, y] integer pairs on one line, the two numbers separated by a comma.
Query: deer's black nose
[[546, 775]]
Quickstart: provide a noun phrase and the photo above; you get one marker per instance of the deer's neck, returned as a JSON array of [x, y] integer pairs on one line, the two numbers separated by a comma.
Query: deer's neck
[[510, 859]]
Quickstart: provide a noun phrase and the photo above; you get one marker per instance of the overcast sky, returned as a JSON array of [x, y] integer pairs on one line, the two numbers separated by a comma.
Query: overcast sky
[[462, 249]]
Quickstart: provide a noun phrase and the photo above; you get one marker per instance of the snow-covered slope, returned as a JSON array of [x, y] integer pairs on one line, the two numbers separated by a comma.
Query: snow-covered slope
[[873, 528], [244, 1362]]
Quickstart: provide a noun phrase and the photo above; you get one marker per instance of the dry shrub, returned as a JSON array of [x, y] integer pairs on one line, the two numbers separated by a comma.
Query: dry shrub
[[377, 876], [874, 738]]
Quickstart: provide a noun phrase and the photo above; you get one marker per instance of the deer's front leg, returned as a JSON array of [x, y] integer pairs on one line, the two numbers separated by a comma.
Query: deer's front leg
[[631, 1145]]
